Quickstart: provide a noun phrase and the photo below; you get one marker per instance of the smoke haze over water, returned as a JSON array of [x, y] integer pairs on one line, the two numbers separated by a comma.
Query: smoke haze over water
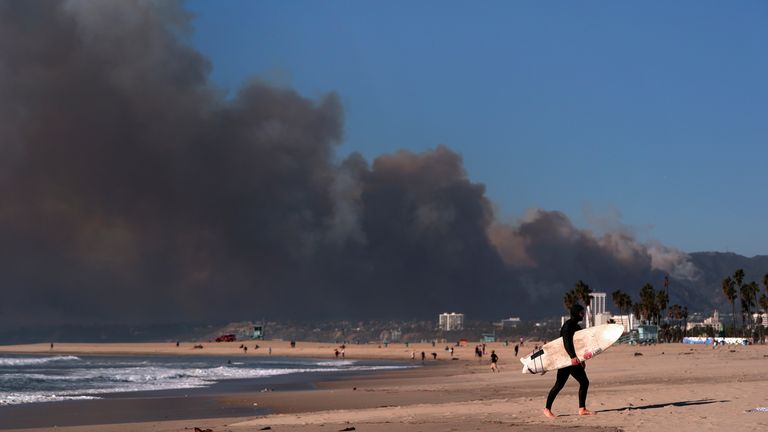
[[133, 191]]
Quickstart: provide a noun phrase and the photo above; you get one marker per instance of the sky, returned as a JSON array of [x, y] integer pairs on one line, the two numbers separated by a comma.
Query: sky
[[650, 117], [327, 160]]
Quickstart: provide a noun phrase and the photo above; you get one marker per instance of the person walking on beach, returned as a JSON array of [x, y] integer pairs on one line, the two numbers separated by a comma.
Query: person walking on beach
[[576, 369], [494, 360], [517, 347], [423, 356]]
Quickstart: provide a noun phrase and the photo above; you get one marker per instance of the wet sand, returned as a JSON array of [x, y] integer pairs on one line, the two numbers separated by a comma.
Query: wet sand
[[690, 388]]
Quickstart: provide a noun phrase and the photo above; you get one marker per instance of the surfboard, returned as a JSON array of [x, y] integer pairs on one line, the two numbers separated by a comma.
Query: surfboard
[[588, 343]]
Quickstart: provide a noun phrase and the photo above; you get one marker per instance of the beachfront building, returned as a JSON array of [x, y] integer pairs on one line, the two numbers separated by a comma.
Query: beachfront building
[[600, 316], [597, 314], [628, 321], [760, 318], [450, 321], [713, 321], [597, 302], [511, 322]]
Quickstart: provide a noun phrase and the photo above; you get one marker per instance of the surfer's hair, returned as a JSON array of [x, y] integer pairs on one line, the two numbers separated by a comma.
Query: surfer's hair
[[576, 310]]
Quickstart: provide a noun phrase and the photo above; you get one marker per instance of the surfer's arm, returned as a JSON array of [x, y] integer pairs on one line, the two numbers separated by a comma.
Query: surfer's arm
[[568, 342]]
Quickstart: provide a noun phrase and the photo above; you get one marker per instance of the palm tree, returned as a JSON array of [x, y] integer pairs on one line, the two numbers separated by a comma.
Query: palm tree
[[622, 301], [582, 292], [662, 300], [648, 301], [618, 297], [627, 300], [765, 281], [637, 311], [570, 299], [729, 291], [676, 313], [748, 297], [763, 303], [738, 277]]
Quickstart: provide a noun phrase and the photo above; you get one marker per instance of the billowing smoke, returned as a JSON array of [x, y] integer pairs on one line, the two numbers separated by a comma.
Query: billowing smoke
[[132, 190], [549, 254]]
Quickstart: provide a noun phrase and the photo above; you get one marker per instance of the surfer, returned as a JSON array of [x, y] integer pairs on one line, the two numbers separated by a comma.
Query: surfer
[[576, 369]]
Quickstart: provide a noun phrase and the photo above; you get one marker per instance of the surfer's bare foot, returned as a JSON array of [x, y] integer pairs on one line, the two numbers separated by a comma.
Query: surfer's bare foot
[[584, 411], [548, 413]]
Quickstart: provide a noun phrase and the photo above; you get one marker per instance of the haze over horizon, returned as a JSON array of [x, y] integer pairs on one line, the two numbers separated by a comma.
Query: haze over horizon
[[140, 184]]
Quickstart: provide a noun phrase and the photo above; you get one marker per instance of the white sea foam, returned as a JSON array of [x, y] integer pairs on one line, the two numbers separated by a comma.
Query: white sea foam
[[9, 398], [18, 361], [85, 382], [336, 363]]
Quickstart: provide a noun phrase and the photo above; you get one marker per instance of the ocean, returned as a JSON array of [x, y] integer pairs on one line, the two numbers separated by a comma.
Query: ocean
[[35, 379]]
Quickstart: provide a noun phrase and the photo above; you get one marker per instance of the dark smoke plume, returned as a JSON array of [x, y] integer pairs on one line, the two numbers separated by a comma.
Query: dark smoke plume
[[132, 190]]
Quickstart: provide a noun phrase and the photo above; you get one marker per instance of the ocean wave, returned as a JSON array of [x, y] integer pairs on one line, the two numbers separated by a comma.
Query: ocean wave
[[7, 398], [25, 361], [86, 382], [336, 363]]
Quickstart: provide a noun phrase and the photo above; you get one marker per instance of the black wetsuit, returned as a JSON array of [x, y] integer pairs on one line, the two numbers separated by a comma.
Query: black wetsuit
[[570, 327]]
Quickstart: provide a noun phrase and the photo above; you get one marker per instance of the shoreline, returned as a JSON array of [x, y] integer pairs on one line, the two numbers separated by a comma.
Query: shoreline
[[633, 388], [320, 350], [221, 398]]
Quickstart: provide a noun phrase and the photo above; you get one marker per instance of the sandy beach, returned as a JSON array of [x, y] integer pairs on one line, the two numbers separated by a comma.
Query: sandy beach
[[632, 388]]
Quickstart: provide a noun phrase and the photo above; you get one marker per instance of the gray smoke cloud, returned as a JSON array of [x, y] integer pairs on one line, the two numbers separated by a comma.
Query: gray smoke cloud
[[134, 191]]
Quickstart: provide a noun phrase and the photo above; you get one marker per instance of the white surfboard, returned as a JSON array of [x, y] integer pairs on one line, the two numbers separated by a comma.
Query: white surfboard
[[587, 343]]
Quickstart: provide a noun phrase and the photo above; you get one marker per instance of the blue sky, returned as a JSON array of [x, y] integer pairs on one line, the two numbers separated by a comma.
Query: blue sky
[[653, 115]]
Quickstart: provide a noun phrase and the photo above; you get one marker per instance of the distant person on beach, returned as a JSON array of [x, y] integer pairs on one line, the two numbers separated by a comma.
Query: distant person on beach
[[434, 356], [413, 355], [517, 348], [423, 356], [336, 352], [270, 350], [177, 344], [576, 369], [494, 361]]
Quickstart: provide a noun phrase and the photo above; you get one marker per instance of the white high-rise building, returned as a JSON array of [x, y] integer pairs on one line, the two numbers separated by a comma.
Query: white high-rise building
[[597, 302], [451, 321]]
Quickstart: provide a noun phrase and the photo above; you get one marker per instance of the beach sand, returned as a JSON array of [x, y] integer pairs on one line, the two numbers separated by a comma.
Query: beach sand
[[688, 388]]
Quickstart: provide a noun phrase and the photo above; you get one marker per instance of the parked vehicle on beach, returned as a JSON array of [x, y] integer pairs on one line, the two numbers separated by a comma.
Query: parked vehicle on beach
[[226, 338]]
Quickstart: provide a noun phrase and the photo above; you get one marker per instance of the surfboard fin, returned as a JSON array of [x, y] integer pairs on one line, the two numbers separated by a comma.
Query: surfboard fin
[[527, 370]]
